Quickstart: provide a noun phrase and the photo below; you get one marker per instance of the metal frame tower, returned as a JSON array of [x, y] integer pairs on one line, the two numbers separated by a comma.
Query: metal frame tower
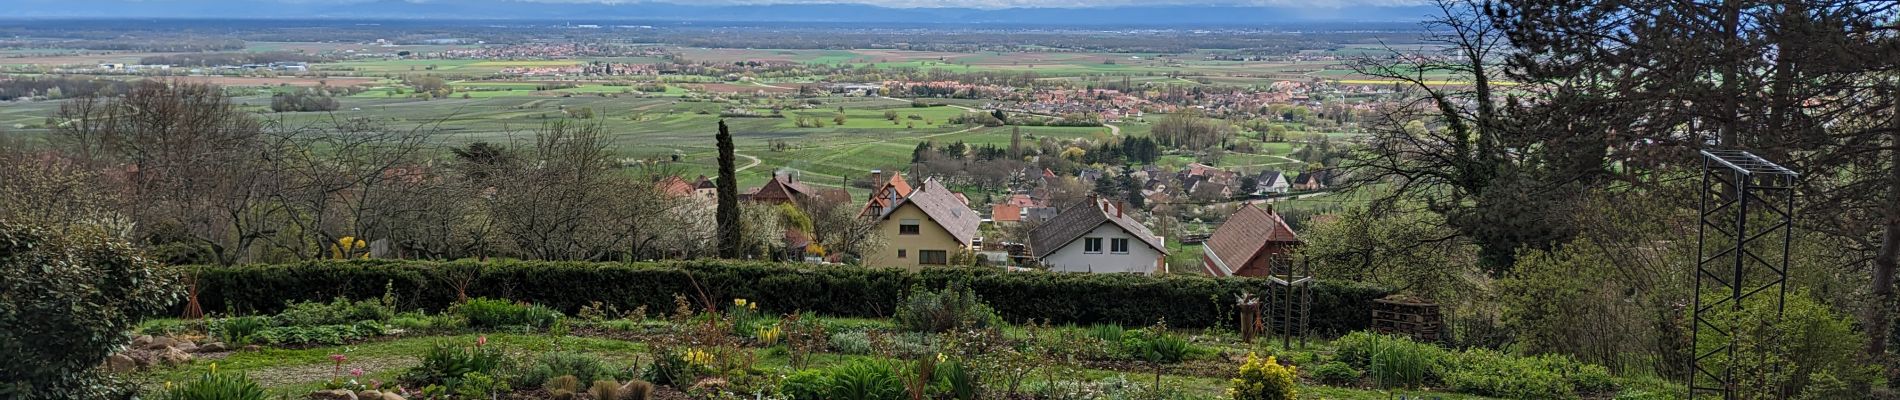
[[1747, 209]]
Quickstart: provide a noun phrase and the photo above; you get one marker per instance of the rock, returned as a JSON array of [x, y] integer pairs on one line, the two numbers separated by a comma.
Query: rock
[[212, 347], [174, 356], [121, 363], [141, 341], [143, 358], [370, 394], [186, 346], [252, 347], [339, 394], [390, 396], [160, 343]]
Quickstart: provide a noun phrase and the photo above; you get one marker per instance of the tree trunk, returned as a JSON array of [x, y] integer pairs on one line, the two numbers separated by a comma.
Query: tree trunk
[[1880, 318]]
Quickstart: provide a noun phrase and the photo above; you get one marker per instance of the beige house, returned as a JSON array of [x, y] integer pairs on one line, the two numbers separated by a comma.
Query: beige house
[[925, 228]]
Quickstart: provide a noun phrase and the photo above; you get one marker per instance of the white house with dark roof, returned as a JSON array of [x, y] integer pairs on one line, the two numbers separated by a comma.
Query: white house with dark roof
[[1098, 236]]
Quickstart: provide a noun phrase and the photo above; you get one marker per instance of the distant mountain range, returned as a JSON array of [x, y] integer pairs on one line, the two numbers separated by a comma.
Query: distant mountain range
[[1224, 16]]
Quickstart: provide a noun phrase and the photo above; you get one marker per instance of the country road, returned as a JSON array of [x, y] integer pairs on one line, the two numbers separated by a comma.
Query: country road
[[755, 162]]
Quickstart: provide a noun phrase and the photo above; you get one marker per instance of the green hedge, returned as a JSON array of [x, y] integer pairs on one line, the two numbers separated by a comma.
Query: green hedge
[[1132, 300]]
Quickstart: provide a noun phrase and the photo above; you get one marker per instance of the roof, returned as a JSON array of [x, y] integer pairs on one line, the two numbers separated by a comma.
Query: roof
[[944, 208], [1269, 178], [1082, 218], [1006, 213], [674, 186], [1246, 233], [881, 195]]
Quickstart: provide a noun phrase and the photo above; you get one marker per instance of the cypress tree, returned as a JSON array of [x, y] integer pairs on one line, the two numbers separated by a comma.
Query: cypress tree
[[728, 214]]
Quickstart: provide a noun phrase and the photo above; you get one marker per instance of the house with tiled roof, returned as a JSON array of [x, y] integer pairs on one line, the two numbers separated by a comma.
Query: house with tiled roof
[[1098, 236], [674, 186], [885, 192], [1247, 242], [782, 188], [924, 228]]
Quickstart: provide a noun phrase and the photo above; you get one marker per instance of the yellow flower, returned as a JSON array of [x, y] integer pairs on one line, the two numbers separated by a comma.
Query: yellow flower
[[941, 358], [168, 385], [753, 306], [738, 302], [214, 368]]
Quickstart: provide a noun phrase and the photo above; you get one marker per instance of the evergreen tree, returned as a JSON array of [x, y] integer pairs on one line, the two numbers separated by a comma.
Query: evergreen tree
[[728, 213]]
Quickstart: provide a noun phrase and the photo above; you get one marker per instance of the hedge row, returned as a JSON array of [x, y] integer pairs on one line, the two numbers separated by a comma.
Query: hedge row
[[1129, 300]]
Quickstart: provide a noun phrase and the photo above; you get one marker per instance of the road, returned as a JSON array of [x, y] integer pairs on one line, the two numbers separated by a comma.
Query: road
[[754, 163]]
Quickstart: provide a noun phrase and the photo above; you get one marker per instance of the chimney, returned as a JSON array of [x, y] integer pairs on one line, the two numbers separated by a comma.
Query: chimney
[[1119, 206], [1270, 209], [877, 181]]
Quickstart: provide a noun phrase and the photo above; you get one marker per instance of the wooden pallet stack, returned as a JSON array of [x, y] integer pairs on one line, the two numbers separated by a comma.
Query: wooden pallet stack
[[1420, 320]]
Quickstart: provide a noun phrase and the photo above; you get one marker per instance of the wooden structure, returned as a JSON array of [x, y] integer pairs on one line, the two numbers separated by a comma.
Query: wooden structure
[[1419, 320]]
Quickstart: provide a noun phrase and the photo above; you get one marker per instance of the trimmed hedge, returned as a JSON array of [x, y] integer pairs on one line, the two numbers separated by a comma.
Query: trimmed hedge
[[1130, 300]]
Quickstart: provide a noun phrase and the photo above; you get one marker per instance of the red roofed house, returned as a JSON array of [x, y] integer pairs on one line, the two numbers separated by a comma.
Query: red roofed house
[[783, 188], [1243, 245], [885, 193], [674, 186]]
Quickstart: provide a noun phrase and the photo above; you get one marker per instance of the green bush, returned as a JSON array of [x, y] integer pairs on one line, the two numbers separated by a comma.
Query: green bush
[[66, 302], [215, 386], [853, 343], [810, 384], [864, 380], [448, 364], [1336, 373], [953, 308], [1391, 361], [1123, 299], [300, 335], [1787, 347], [1489, 373], [583, 367], [238, 331], [338, 311], [496, 313]]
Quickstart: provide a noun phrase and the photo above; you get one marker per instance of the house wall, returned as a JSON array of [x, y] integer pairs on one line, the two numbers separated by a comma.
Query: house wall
[[930, 236], [1258, 266], [1071, 258]]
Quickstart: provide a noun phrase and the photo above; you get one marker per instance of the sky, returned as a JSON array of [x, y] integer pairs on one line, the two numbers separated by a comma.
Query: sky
[[996, 4]]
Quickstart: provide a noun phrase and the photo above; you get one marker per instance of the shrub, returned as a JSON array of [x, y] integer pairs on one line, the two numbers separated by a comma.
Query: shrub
[[953, 308], [1263, 380], [853, 343], [1083, 299], [448, 364], [337, 312], [864, 380], [1489, 373], [297, 335], [810, 384], [216, 386], [583, 367], [495, 313], [1392, 361], [68, 302], [1786, 352], [238, 331], [1336, 373]]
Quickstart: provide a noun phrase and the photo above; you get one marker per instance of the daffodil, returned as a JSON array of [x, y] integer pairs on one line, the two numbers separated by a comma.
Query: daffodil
[[214, 368]]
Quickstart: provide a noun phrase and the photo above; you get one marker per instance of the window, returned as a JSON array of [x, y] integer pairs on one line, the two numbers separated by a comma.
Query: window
[[907, 227], [1092, 245], [933, 257], [1118, 246], [900, 254]]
